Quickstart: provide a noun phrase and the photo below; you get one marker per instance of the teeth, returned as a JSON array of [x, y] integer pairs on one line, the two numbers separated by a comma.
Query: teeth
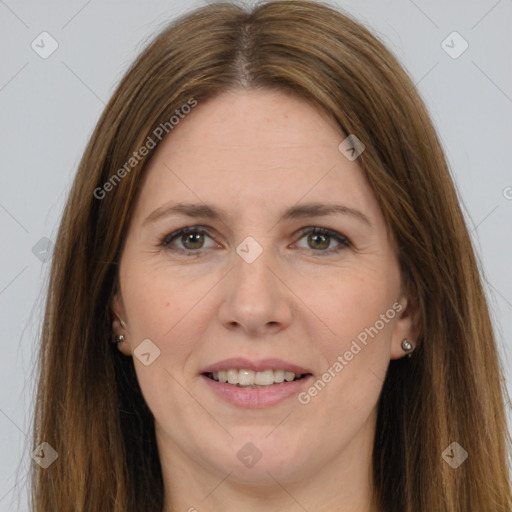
[[246, 377], [232, 376], [264, 378], [250, 378], [279, 375]]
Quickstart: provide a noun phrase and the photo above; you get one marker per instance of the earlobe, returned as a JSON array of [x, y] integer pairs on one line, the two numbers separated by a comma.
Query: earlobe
[[120, 331], [121, 337], [407, 328]]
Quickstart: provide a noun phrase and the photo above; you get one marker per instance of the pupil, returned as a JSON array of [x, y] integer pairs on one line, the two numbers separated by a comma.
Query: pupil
[[326, 242], [193, 238], [197, 238]]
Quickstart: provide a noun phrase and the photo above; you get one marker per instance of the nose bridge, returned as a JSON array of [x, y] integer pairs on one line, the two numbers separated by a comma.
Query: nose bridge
[[251, 273], [255, 297]]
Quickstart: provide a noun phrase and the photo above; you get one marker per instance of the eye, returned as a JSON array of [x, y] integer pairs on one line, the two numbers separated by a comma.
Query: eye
[[192, 239], [319, 239]]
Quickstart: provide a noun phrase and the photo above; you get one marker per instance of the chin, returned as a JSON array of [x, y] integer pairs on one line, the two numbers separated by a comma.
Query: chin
[[257, 460]]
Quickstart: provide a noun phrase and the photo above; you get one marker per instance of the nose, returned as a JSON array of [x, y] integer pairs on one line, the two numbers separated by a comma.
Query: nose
[[256, 299]]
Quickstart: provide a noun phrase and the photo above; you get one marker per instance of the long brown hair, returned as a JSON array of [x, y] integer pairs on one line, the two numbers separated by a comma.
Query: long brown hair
[[89, 405]]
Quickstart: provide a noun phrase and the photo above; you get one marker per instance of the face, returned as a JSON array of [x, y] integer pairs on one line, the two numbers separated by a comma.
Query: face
[[266, 276]]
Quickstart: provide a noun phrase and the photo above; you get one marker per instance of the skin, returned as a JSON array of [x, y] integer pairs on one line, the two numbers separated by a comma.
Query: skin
[[254, 154]]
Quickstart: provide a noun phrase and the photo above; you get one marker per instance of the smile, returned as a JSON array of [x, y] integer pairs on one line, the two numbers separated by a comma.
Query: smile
[[251, 379], [257, 396]]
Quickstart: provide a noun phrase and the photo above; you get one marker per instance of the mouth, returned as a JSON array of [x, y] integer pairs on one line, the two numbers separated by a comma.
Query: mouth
[[247, 383], [250, 379], [257, 396]]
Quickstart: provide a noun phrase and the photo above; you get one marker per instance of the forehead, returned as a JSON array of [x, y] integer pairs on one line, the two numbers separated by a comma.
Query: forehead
[[263, 113], [255, 148]]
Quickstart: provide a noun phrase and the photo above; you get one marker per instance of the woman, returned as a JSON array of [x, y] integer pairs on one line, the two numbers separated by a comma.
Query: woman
[[265, 224]]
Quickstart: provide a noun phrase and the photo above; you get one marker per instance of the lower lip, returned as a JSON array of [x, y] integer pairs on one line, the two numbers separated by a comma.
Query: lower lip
[[257, 398]]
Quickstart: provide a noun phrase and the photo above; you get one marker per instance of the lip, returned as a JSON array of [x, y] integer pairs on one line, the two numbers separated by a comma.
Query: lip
[[257, 398], [241, 363]]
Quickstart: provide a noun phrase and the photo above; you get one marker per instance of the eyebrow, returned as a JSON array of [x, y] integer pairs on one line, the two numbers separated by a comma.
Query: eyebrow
[[206, 211]]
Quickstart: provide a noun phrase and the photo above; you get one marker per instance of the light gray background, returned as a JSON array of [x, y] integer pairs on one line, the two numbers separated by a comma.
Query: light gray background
[[49, 108]]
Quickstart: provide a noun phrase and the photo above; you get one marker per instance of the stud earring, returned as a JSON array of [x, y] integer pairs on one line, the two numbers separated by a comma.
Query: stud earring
[[408, 347], [118, 339]]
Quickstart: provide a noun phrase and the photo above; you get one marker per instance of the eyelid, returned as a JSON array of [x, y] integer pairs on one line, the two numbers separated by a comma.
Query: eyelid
[[168, 238], [339, 237], [343, 241]]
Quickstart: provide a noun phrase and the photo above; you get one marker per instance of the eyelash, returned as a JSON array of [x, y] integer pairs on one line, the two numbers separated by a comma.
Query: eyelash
[[167, 239]]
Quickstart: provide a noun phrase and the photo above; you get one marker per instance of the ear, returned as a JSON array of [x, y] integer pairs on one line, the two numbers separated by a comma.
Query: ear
[[407, 324], [119, 326]]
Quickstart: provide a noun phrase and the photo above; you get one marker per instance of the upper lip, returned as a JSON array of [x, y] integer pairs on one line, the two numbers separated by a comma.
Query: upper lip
[[241, 363]]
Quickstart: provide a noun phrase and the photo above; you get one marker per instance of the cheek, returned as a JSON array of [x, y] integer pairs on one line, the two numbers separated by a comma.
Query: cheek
[[168, 308], [353, 305], [163, 311], [355, 348], [155, 302]]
